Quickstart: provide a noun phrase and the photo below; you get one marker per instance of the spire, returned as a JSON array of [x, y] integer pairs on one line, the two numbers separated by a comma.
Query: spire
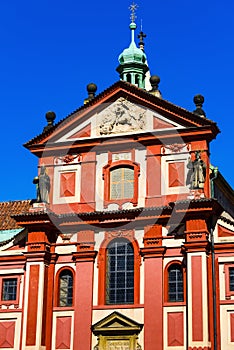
[[132, 61], [133, 17], [133, 8]]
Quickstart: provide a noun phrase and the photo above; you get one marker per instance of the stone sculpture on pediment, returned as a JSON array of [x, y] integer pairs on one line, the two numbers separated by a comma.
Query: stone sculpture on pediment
[[122, 116]]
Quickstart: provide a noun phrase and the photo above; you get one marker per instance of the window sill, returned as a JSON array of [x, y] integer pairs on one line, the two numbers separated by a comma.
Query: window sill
[[118, 306], [174, 303], [120, 202], [9, 302], [63, 308], [229, 294]]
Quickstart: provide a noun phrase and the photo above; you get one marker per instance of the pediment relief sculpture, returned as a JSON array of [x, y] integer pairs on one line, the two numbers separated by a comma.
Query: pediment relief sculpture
[[122, 116]]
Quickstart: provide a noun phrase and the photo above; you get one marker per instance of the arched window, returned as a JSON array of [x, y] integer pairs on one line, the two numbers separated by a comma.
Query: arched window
[[129, 78], [175, 283], [65, 288], [120, 272], [121, 183], [137, 80]]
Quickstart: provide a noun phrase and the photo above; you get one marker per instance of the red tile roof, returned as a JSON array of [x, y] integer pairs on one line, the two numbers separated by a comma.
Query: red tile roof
[[9, 208]]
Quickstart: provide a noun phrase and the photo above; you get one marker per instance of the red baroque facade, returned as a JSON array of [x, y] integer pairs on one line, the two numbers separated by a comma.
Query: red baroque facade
[[125, 253]]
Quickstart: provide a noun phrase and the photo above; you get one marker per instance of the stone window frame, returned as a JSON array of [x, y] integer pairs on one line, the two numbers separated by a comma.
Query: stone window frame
[[228, 292], [17, 292], [166, 283], [102, 263], [57, 287], [106, 177]]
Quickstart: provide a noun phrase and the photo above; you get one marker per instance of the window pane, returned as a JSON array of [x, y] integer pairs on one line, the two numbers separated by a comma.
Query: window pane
[[128, 188], [120, 272], [175, 283], [128, 174], [65, 288], [9, 289], [231, 279], [121, 183]]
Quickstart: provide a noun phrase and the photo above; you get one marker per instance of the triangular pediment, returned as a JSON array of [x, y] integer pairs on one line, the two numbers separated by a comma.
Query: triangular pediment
[[116, 323], [118, 118], [122, 109]]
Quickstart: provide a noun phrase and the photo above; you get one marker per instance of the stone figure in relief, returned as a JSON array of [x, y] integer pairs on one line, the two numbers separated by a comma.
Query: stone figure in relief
[[43, 186], [122, 116], [197, 172]]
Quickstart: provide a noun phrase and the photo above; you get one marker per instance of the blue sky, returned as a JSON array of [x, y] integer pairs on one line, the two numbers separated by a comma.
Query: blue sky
[[50, 51]]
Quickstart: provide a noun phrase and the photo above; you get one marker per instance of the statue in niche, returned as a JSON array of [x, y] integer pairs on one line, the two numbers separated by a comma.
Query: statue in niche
[[197, 172], [43, 186], [122, 116]]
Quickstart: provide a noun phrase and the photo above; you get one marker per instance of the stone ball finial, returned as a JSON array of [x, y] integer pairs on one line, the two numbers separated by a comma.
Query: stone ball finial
[[92, 88], [154, 81], [50, 117], [199, 100]]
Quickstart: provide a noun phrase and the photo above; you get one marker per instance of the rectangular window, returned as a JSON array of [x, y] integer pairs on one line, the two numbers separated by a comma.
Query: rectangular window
[[231, 279], [9, 289]]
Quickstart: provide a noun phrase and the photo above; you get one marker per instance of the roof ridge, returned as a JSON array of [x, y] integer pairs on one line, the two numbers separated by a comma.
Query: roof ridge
[[16, 201], [128, 86]]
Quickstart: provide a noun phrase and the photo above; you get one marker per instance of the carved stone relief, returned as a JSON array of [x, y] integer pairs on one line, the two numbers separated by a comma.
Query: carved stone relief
[[122, 116]]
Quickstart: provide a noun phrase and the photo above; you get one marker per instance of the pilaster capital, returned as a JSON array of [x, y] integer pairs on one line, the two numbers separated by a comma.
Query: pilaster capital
[[38, 256], [152, 252], [84, 256], [196, 246]]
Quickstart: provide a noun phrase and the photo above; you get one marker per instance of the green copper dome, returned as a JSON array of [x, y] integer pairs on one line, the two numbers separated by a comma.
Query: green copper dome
[[132, 63], [132, 54]]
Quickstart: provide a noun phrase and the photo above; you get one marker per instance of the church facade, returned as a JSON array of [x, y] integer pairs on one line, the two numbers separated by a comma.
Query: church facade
[[129, 243]]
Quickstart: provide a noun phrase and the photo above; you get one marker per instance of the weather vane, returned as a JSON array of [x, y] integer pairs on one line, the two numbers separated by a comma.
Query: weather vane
[[133, 9]]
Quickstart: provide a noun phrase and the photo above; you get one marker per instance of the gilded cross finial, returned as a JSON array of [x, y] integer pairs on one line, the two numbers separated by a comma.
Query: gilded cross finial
[[133, 7]]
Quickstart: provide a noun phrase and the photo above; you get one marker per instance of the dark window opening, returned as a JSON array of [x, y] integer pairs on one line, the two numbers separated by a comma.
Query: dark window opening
[[9, 289], [231, 279], [120, 273], [65, 288], [175, 283], [129, 78], [137, 79]]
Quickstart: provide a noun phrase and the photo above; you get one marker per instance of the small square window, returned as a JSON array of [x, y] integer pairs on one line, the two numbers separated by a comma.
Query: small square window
[[9, 289]]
